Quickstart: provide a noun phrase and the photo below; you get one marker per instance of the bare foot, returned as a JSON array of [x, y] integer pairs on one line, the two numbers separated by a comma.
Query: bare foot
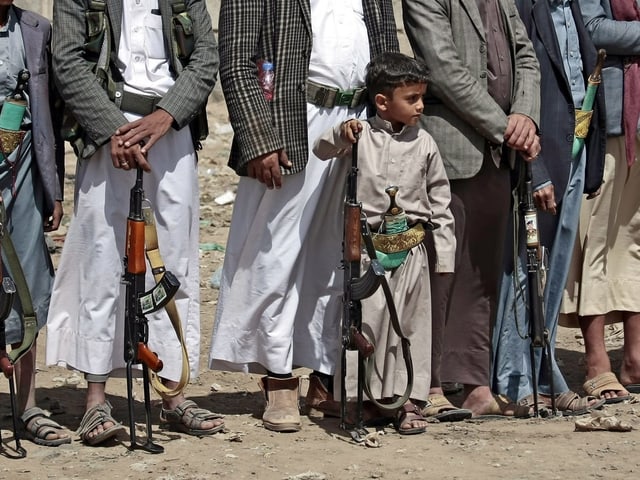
[[481, 401]]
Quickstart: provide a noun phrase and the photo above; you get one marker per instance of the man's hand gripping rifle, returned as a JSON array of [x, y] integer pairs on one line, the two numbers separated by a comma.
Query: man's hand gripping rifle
[[138, 304]]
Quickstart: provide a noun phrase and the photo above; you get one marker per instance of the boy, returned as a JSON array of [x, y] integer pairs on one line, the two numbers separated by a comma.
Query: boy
[[394, 151]]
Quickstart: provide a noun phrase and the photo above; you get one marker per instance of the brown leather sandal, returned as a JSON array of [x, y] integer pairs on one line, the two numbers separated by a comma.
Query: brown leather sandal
[[92, 419], [406, 415], [188, 418], [38, 426]]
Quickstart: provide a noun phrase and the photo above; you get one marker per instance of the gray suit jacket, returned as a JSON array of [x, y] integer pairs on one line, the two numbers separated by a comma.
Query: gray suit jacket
[[36, 34], [619, 39], [91, 105], [459, 112], [280, 31]]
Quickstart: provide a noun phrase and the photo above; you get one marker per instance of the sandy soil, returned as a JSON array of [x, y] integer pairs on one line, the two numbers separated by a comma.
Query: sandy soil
[[516, 449]]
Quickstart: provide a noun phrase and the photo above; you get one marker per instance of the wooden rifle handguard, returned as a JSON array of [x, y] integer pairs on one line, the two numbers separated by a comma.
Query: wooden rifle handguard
[[352, 233]]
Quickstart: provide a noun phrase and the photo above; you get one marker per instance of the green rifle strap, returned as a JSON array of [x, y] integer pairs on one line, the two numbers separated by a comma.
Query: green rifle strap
[[29, 322], [158, 269]]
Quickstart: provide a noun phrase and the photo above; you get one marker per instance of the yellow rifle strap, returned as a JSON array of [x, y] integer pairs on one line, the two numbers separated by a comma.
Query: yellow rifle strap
[[29, 321], [155, 260]]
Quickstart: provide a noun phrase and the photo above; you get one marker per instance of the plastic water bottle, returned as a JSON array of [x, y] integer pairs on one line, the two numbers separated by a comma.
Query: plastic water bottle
[[267, 79]]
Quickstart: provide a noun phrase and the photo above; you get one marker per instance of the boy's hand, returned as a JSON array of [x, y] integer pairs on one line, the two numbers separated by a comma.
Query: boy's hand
[[350, 130]]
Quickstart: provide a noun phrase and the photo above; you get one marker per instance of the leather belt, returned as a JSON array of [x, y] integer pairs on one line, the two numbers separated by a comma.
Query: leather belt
[[138, 104], [329, 97]]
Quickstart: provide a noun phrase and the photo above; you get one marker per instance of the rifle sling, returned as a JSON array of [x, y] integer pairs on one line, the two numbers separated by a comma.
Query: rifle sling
[[395, 323], [29, 321], [158, 269]]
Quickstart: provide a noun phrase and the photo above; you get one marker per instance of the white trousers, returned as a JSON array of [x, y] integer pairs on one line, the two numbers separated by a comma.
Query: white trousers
[[86, 317]]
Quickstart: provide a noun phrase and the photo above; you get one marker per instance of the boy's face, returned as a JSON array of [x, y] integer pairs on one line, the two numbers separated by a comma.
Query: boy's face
[[404, 107]]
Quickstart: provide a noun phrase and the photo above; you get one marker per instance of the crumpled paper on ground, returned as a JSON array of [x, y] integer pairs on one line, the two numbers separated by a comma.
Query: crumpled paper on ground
[[601, 421]]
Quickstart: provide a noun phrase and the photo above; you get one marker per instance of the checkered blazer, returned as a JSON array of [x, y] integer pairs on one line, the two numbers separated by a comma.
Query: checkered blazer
[[278, 30], [85, 97]]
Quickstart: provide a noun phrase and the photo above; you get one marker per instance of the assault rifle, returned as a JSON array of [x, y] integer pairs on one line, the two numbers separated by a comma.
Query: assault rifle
[[538, 333], [352, 337], [138, 304], [357, 288]]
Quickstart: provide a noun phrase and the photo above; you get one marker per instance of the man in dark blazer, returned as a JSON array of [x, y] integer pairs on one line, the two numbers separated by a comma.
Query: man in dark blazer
[[567, 57], [122, 72], [279, 302], [31, 179], [482, 106]]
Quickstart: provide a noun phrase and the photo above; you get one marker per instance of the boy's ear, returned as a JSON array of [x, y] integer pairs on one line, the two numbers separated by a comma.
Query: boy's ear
[[381, 102]]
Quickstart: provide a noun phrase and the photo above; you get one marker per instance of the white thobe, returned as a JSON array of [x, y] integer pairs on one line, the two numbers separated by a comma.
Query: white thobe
[[279, 304]]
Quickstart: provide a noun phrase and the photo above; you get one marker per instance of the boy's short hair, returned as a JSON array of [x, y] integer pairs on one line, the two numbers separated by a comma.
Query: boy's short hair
[[391, 70]]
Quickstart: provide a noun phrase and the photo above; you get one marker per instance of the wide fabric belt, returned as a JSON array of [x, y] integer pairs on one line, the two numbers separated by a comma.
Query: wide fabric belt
[[329, 97], [398, 242], [138, 104]]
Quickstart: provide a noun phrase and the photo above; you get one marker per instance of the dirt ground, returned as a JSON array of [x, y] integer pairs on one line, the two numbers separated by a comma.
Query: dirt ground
[[515, 449]]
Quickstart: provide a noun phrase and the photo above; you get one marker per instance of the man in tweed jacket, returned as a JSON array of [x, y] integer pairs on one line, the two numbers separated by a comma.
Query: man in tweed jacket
[[279, 303], [137, 124], [483, 101]]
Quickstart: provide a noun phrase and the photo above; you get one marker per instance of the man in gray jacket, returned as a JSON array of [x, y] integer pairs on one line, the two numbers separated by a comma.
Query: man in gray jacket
[[482, 106]]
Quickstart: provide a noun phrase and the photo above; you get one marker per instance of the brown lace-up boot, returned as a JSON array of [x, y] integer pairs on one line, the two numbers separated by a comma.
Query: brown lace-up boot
[[281, 413]]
